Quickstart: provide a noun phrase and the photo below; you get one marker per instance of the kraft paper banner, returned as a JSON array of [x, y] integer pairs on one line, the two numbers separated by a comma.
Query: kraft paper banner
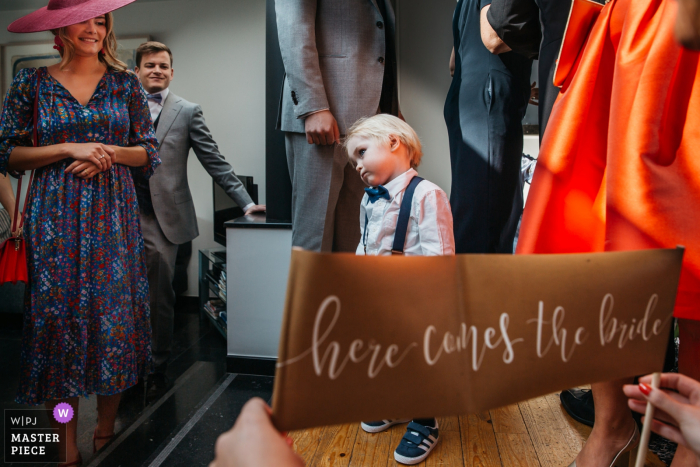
[[369, 338]]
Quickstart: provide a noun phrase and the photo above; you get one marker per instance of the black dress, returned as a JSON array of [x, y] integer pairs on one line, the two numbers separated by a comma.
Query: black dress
[[517, 23], [484, 111]]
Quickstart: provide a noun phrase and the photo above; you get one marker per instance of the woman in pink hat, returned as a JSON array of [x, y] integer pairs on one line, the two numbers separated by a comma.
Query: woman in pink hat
[[86, 320]]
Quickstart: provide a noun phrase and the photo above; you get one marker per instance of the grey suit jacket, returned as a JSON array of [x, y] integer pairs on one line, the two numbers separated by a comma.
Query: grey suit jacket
[[331, 51], [181, 126]]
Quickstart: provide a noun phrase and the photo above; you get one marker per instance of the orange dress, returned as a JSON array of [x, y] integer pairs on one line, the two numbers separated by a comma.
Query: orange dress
[[619, 166]]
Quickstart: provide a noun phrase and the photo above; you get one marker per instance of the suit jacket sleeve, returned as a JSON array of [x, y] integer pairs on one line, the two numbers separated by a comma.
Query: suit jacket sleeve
[[208, 154], [296, 29], [517, 23]]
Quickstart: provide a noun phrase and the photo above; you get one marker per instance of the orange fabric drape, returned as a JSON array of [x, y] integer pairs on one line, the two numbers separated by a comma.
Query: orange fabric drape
[[619, 166]]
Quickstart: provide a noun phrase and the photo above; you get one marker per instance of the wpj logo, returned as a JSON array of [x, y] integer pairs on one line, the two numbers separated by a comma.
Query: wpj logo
[[36, 435]]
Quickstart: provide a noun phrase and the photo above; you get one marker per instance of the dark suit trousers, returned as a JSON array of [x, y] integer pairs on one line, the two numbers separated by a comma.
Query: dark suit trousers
[[326, 196], [160, 262]]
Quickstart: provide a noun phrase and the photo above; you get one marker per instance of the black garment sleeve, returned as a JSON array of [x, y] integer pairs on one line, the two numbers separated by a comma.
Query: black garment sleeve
[[517, 23]]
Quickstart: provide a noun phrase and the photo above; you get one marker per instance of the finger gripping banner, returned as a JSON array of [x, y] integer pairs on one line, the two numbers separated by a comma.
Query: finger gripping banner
[[376, 337]]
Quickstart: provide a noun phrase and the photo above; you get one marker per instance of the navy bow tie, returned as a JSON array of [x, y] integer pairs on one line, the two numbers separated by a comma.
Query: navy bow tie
[[375, 193], [155, 97]]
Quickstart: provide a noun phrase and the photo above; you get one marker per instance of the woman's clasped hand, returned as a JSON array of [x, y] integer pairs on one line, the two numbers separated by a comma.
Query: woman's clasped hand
[[90, 159], [677, 403]]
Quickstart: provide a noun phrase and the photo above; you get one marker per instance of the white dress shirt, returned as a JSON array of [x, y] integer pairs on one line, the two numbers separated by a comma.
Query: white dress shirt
[[155, 107], [429, 230]]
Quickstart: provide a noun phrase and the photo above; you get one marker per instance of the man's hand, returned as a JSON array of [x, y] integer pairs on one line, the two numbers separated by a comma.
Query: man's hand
[[321, 128], [254, 441], [534, 94], [256, 208]]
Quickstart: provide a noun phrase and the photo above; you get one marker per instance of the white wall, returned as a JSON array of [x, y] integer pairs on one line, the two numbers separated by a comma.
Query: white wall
[[219, 63], [425, 43]]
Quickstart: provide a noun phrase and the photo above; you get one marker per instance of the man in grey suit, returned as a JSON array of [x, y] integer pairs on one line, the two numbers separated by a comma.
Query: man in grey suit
[[340, 63], [168, 218]]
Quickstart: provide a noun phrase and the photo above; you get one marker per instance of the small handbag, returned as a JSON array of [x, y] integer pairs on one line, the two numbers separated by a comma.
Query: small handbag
[[13, 253], [582, 16]]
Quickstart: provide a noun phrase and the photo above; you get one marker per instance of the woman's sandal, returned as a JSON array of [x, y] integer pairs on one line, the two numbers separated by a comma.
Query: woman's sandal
[[95, 438]]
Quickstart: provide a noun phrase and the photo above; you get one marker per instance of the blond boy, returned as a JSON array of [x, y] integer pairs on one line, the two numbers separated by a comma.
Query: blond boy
[[400, 213]]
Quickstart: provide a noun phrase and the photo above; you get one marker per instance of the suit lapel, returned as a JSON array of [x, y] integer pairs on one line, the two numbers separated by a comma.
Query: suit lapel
[[171, 109], [374, 2]]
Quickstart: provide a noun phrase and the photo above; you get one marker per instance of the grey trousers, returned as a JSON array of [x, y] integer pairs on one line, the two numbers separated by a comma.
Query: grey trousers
[[326, 195], [160, 262]]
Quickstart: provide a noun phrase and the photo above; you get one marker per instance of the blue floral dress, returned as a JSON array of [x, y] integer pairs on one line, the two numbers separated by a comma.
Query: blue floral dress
[[86, 319]]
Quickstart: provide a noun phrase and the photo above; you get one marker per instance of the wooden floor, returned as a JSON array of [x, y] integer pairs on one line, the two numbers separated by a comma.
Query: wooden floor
[[535, 433]]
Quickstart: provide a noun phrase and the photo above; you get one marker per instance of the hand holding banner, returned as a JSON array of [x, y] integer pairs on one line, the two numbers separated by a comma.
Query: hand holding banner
[[375, 337]]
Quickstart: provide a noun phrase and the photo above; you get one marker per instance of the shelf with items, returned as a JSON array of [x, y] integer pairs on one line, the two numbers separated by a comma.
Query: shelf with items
[[212, 281]]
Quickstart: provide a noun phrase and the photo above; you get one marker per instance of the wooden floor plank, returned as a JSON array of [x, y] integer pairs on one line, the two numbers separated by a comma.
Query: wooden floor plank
[[547, 433], [336, 446], [373, 449], [516, 450], [508, 419], [574, 432], [448, 423], [306, 442], [448, 452], [479, 448]]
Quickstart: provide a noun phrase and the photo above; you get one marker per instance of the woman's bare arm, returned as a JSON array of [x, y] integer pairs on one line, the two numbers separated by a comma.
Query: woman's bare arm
[[27, 158], [491, 41], [7, 197], [135, 156]]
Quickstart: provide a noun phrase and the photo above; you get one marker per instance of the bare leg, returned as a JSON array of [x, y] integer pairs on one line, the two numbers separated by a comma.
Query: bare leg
[[71, 445], [106, 415], [689, 365], [613, 425]]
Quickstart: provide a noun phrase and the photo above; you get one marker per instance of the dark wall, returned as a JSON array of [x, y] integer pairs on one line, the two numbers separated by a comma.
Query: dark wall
[[278, 184]]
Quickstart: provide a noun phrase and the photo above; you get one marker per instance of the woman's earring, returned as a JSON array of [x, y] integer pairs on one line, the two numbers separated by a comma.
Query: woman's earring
[[102, 51], [58, 43]]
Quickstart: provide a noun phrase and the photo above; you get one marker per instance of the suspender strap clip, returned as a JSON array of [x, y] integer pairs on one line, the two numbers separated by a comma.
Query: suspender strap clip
[[404, 215]]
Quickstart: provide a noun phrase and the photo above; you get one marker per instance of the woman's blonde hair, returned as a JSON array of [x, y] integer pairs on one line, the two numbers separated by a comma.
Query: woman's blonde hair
[[382, 127], [109, 57]]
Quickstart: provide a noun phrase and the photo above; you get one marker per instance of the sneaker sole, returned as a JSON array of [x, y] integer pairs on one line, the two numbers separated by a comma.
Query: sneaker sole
[[415, 460], [379, 429]]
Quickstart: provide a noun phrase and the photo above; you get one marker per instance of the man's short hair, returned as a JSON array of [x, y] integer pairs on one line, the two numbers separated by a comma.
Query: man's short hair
[[152, 47], [381, 127]]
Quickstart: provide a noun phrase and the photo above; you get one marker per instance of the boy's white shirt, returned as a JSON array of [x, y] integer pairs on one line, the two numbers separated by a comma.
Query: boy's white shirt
[[429, 230]]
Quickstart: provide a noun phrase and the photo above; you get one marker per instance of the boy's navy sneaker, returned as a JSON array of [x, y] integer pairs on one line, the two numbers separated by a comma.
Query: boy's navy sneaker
[[417, 443], [381, 425]]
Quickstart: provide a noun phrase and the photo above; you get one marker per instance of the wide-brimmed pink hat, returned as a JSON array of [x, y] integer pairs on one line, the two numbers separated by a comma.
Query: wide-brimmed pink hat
[[60, 13]]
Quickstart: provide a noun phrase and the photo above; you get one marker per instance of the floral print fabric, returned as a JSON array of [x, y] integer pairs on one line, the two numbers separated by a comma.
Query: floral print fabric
[[86, 318]]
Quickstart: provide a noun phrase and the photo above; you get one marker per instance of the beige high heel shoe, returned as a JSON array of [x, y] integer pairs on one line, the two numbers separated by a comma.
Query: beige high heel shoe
[[627, 456]]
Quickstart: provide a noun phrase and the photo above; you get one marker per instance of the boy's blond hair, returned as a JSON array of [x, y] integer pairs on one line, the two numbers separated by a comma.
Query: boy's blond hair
[[381, 127]]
